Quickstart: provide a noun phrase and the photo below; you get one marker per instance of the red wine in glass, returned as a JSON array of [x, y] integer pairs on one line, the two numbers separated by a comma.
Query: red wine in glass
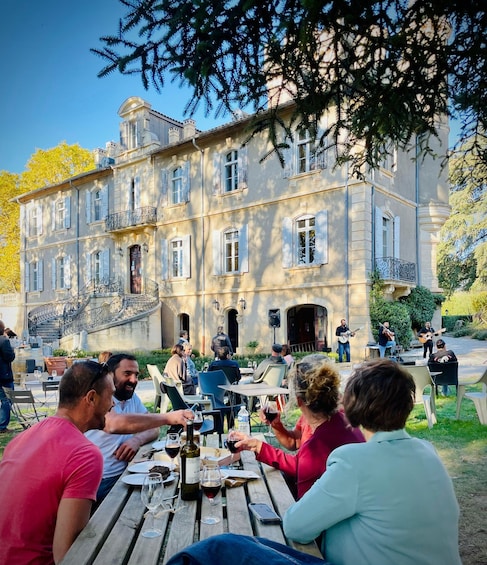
[[198, 421], [231, 445], [270, 416], [211, 490], [172, 451]]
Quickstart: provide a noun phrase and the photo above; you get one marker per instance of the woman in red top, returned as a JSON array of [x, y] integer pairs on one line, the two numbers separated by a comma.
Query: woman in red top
[[314, 383]]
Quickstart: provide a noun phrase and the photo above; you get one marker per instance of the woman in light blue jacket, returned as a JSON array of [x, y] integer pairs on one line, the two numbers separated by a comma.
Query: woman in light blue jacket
[[389, 500]]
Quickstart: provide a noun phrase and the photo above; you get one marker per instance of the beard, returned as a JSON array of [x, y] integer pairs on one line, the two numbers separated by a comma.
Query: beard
[[124, 393]]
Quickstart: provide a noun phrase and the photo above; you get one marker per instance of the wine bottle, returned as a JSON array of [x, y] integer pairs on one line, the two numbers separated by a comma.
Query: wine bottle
[[190, 466]]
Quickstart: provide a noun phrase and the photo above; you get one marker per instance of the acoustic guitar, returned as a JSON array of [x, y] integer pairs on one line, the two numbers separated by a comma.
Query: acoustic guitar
[[389, 333], [345, 336], [426, 337]]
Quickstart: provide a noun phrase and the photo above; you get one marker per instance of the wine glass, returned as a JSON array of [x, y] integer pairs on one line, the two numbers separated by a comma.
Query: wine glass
[[198, 420], [173, 445], [152, 494], [211, 483], [270, 412], [230, 444], [53, 374]]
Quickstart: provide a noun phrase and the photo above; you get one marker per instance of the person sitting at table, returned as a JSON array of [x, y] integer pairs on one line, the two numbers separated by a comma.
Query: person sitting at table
[[314, 385], [119, 449], [289, 439], [286, 354], [443, 355], [225, 361]]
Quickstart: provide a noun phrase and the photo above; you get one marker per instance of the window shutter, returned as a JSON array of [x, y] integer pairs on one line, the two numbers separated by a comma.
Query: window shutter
[[288, 156], [397, 237], [88, 268], [53, 218], [67, 212], [40, 275], [243, 249], [187, 256], [242, 167], [27, 277], [39, 220], [217, 253], [164, 260], [217, 173], [136, 193], [378, 233], [88, 207], [321, 237], [186, 181], [106, 266], [164, 187], [53, 273], [287, 243], [67, 272], [104, 202], [124, 135]]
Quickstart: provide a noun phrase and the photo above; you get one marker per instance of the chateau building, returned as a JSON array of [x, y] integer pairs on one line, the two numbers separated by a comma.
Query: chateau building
[[184, 229]]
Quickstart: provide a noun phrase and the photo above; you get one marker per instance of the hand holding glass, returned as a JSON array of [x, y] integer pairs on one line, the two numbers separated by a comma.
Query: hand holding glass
[[173, 445], [198, 420], [211, 483], [230, 443], [270, 412], [152, 494]]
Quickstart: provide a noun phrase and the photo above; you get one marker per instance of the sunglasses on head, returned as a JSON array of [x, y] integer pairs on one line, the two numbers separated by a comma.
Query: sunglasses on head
[[101, 370]]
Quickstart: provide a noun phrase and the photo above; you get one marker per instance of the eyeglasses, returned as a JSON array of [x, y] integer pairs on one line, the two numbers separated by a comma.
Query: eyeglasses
[[101, 370]]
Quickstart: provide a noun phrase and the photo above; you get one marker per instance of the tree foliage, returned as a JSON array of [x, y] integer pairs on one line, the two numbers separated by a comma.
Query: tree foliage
[[421, 306], [52, 166], [9, 233], [462, 253], [380, 65]]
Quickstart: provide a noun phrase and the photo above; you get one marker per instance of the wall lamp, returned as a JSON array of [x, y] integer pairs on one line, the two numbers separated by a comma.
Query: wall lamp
[[243, 303], [120, 251], [216, 304], [145, 247]]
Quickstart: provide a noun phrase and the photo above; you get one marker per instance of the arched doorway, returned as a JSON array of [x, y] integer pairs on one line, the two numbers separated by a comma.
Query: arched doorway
[[233, 328], [306, 328], [184, 324], [135, 269]]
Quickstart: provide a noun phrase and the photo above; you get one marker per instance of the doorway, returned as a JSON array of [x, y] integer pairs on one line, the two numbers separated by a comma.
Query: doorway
[[306, 328], [135, 269], [233, 328]]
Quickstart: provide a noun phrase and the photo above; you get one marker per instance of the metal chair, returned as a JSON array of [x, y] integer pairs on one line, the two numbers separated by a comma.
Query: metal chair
[[479, 398], [23, 406], [209, 386], [448, 374], [422, 379], [50, 386]]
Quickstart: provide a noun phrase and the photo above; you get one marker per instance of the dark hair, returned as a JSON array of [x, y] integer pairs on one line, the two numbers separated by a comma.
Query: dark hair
[[223, 352], [277, 348], [115, 360], [177, 349], [316, 382], [79, 379], [286, 350], [440, 343], [379, 395]]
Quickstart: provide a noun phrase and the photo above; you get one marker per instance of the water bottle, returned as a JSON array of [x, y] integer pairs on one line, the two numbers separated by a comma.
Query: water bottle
[[243, 419]]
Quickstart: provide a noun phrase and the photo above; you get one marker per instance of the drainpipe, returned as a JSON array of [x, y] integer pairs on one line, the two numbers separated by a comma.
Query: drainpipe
[[203, 263]]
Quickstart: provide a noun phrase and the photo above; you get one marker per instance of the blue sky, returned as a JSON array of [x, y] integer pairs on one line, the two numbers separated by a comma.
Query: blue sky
[[50, 92]]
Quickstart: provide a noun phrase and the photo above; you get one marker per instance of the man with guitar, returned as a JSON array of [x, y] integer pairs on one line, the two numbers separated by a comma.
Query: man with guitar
[[425, 336], [343, 333], [386, 339]]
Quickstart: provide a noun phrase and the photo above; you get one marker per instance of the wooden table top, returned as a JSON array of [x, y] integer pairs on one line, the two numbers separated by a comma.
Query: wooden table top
[[113, 533]]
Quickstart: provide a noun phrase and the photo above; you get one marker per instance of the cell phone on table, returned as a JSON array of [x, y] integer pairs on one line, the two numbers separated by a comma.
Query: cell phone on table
[[264, 513]]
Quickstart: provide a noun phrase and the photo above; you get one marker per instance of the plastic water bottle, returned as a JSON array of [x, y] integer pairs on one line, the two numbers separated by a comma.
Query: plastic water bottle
[[243, 419]]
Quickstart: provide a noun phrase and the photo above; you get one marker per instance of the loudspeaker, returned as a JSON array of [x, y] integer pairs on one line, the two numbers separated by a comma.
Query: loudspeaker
[[274, 318]]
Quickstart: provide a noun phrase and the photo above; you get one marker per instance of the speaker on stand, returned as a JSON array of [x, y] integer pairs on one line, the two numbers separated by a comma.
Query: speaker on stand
[[274, 320]]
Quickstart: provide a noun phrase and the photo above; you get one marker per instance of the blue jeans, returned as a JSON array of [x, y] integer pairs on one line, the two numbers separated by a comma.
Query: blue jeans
[[382, 348], [5, 406], [343, 348], [241, 550]]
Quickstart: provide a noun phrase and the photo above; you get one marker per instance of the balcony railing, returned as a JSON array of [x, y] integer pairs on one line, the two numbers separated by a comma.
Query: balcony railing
[[393, 269], [131, 218]]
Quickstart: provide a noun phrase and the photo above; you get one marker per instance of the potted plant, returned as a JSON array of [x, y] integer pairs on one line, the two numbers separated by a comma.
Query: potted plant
[[57, 362]]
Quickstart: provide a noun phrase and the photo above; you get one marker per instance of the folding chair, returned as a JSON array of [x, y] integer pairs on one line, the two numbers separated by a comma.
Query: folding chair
[[23, 406], [50, 386]]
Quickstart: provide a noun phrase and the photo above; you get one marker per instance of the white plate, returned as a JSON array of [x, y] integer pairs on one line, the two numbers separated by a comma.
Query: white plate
[[144, 466], [238, 474], [137, 479], [159, 445]]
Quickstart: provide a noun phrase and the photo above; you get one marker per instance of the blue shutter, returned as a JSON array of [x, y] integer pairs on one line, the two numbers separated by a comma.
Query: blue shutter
[[217, 173], [67, 212], [217, 252], [136, 193], [321, 237], [26, 277], [39, 220], [88, 207], [88, 268], [67, 272], [397, 237], [164, 187], [53, 273], [242, 167], [104, 202], [186, 181], [105, 266], [243, 249], [287, 243], [187, 256], [378, 233], [164, 260], [40, 275]]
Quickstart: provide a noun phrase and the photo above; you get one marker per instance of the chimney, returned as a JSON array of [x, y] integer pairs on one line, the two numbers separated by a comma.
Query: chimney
[[189, 128], [99, 154], [173, 135]]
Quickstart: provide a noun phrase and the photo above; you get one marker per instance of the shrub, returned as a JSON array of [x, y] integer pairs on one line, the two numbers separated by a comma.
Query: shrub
[[421, 306]]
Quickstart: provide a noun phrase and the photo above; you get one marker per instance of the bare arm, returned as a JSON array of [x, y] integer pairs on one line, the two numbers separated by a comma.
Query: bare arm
[[289, 439], [134, 423], [72, 516], [127, 450]]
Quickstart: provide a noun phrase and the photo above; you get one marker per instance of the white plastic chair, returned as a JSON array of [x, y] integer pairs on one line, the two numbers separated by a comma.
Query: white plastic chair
[[422, 379], [478, 398]]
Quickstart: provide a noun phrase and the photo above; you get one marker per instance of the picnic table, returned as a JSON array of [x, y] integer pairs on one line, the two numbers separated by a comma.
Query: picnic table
[[113, 534]]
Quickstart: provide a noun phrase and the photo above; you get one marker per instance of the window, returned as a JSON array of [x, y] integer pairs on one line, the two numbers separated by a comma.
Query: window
[[387, 234], [303, 152], [177, 186], [176, 258], [61, 214], [132, 135], [35, 221], [305, 240], [231, 171], [34, 277], [230, 251], [98, 267], [61, 275], [96, 205]]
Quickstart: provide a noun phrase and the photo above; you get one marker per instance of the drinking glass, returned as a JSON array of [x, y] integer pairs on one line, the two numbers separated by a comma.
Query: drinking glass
[[230, 444], [198, 420], [152, 494], [173, 445], [53, 374], [211, 483], [37, 374], [270, 412]]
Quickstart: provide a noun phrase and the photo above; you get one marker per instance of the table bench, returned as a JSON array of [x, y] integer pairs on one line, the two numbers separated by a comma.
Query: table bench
[[113, 532]]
